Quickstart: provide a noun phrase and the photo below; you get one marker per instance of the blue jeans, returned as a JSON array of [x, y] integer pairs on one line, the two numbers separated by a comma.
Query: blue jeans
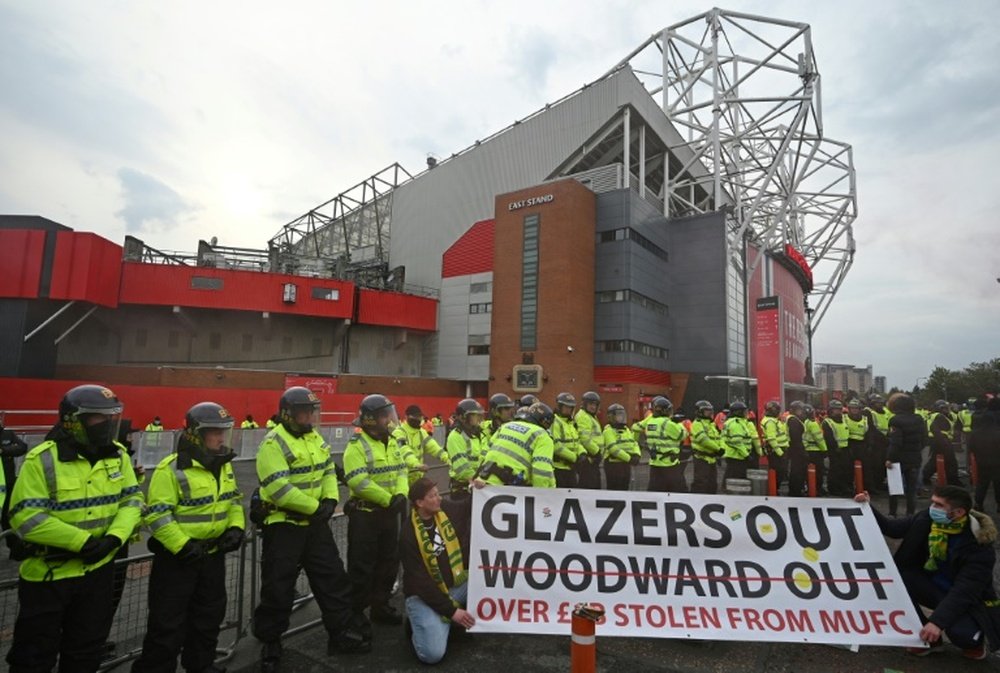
[[430, 633]]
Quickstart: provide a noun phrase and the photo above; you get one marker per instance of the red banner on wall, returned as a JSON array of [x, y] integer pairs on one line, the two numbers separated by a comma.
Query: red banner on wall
[[768, 359], [321, 385]]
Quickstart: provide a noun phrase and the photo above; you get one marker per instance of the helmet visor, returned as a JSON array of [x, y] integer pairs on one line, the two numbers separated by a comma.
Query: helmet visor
[[100, 429], [305, 417], [617, 416], [216, 438]]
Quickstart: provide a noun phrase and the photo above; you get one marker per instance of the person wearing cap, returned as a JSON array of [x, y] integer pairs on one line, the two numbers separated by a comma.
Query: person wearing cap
[[249, 423], [836, 435], [815, 445], [566, 439], [434, 551], [75, 502], [195, 513], [591, 441], [415, 442], [739, 441], [907, 436]]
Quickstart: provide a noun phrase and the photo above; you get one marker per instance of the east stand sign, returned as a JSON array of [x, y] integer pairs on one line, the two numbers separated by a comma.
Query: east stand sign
[[685, 566]]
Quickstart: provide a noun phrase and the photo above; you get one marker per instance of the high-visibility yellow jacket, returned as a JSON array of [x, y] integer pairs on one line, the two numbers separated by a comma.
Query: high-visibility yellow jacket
[[775, 435], [464, 454], [965, 416], [857, 430], [249, 425], [295, 473], [152, 427], [185, 501], [270, 424], [413, 444], [706, 442], [880, 421], [840, 432], [620, 444], [60, 501], [739, 438], [566, 441], [812, 438], [375, 470], [589, 429], [663, 439], [526, 449]]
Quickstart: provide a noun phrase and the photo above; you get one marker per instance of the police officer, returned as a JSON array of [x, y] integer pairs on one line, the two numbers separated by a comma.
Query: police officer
[[249, 423], [154, 425], [521, 451], [797, 459], [857, 435], [591, 441], [706, 449], [775, 442], [465, 447], [877, 452], [815, 447], [566, 439], [376, 476], [739, 441], [415, 442], [621, 450], [501, 411], [75, 501], [941, 430], [664, 437], [836, 435], [298, 491], [196, 517]]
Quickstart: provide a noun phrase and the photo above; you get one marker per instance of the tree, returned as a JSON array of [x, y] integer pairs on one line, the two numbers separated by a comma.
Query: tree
[[975, 380]]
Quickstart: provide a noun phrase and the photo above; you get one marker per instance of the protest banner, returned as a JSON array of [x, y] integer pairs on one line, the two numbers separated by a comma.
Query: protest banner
[[685, 566]]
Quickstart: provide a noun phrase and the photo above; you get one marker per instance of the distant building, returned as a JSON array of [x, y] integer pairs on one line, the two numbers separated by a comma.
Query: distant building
[[880, 386], [843, 378]]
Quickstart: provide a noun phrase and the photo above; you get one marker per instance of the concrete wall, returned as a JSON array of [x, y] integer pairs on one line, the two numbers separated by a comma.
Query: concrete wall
[[459, 327]]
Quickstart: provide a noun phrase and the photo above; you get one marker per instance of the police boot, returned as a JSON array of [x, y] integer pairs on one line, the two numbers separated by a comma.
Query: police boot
[[348, 641], [270, 657]]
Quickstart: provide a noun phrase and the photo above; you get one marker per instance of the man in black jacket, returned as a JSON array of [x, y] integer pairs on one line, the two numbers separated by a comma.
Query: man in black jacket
[[946, 559], [434, 551], [907, 436], [984, 444]]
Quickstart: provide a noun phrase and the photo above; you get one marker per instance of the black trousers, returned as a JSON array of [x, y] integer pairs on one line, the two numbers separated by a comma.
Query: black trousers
[[372, 556], [68, 618], [566, 478], [922, 590], [841, 479], [797, 467], [287, 548], [706, 477], [588, 475], [667, 479], [736, 468], [617, 475], [987, 474], [950, 465], [187, 603]]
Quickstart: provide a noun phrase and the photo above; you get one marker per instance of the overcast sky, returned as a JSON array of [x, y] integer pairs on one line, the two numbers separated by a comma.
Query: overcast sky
[[185, 120]]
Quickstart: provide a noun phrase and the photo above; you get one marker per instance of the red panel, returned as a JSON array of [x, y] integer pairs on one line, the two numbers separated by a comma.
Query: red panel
[[394, 309], [471, 253], [171, 285], [624, 374], [766, 337], [21, 253], [794, 336], [87, 268]]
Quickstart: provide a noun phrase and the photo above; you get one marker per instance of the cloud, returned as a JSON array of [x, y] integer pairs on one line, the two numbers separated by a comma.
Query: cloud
[[150, 205]]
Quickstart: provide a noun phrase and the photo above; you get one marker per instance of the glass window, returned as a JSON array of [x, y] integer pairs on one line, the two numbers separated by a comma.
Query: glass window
[[479, 350], [529, 282], [325, 293], [206, 283]]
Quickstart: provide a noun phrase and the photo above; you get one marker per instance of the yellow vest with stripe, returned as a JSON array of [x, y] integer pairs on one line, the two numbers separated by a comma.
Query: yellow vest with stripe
[[526, 449], [566, 441], [186, 502], [775, 434], [840, 431], [663, 439], [589, 429], [739, 437], [881, 421], [949, 433], [812, 438], [620, 444], [706, 440], [295, 473], [413, 444], [60, 501], [965, 416], [464, 454], [856, 429], [375, 470]]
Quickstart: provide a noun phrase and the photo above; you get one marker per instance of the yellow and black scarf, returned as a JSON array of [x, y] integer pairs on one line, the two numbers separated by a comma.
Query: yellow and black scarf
[[937, 541], [451, 545]]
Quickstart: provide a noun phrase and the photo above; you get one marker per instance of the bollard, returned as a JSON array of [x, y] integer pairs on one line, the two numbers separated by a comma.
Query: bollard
[[942, 478], [772, 482], [583, 647], [811, 477], [762, 462], [859, 477], [973, 469]]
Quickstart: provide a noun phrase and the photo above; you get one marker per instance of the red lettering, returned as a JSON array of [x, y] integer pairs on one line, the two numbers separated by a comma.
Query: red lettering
[[878, 620], [862, 625], [506, 609], [541, 612], [833, 621], [486, 609], [621, 615], [893, 616], [656, 617], [752, 618], [564, 613], [734, 616], [711, 616]]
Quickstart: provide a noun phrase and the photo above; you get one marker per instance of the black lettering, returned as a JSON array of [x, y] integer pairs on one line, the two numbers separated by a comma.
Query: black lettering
[[509, 518], [814, 586], [847, 517], [720, 527], [851, 591], [500, 566], [649, 571], [611, 574], [679, 516], [529, 521], [604, 535], [872, 568], [687, 577], [718, 573], [571, 518], [639, 522], [822, 540], [585, 573], [548, 572], [763, 586], [781, 532]]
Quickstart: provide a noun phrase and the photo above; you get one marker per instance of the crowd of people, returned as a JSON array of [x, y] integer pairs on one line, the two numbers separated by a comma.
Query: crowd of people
[[77, 503]]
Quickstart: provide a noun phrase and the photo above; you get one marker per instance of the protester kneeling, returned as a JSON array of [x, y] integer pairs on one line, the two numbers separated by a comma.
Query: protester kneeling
[[434, 551]]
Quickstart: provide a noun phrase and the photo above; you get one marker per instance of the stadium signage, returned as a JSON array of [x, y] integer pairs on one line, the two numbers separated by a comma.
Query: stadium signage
[[533, 201], [673, 565]]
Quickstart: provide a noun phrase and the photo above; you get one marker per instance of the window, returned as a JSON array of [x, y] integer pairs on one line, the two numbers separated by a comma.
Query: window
[[478, 288], [629, 346], [610, 296], [173, 339], [286, 345], [247, 343], [141, 336], [486, 307], [215, 341], [206, 283], [479, 350], [325, 293], [529, 284], [629, 234]]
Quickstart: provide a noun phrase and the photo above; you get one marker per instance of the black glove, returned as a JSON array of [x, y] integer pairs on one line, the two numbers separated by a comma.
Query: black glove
[[582, 457], [96, 548], [192, 551], [596, 459], [326, 508], [229, 541], [634, 460], [398, 503]]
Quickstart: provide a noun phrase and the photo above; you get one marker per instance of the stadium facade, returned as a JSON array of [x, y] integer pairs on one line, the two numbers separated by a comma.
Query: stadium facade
[[678, 226]]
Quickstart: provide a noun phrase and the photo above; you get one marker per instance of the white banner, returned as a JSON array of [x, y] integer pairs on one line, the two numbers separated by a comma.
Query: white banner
[[670, 565]]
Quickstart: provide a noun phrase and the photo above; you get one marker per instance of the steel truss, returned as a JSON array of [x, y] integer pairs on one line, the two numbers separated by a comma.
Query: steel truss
[[745, 92]]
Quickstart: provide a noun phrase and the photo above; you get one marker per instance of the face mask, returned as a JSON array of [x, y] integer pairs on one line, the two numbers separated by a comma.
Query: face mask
[[413, 422], [938, 515]]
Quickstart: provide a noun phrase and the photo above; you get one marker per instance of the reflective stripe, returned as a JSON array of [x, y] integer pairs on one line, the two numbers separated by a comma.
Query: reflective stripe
[[161, 522], [49, 468], [95, 523], [513, 454], [285, 449], [282, 492], [182, 480], [31, 523], [273, 478], [195, 518], [583, 640]]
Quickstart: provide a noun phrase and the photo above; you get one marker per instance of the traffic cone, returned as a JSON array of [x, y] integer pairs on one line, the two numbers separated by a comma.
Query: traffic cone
[[583, 648]]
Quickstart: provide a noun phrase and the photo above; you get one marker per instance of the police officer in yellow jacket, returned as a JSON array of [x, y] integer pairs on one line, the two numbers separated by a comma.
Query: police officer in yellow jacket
[[195, 513], [740, 441], [501, 411], [376, 475], [298, 493], [706, 448], [815, 445], [566, 442], [76, 500], [621, 450], [664, 437], [521, 451], [415, 442], [466, 447], [775, 443], [836, 435], [588, 469]]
